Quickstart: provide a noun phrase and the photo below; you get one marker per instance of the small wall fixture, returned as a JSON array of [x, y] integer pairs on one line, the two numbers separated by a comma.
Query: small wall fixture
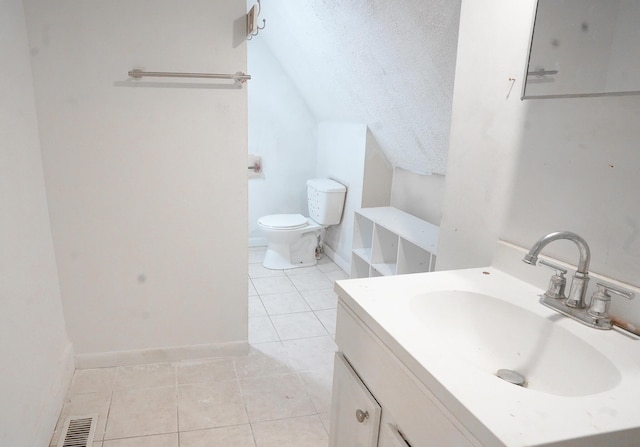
[[252, 21], [541, 72]]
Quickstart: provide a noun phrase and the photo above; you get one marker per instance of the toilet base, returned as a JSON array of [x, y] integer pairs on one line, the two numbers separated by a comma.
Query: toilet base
[[297, 254]]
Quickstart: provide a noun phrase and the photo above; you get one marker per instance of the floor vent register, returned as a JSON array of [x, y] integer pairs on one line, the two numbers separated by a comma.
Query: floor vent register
[[78, 431]]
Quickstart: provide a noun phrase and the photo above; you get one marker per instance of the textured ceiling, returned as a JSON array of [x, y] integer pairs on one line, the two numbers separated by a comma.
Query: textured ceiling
[[387, 64]]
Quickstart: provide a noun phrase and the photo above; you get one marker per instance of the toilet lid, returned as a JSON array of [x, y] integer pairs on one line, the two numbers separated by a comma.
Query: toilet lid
[[283, 221]]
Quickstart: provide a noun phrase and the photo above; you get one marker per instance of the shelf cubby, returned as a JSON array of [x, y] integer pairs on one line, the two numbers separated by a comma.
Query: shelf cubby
[[362, 232], [359, 267], [385, 246], [413, 259], [388, 241]]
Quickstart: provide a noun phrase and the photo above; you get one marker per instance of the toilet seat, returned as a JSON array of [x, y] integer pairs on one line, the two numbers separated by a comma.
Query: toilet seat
[[283, 221]]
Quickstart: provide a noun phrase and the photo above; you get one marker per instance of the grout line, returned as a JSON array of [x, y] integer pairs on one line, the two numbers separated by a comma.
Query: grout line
[[175, 371], [244, 404], [253, 435], [142, 436], [106, 421]]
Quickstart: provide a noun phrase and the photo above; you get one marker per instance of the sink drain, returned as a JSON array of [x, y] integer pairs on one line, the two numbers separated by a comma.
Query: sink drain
[[512, 377]]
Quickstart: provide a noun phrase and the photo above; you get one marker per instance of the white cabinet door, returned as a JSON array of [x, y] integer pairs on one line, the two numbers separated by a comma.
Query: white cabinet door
[[355, 414]]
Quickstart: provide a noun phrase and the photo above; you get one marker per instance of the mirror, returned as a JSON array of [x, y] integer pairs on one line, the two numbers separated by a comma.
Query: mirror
[[584, 48]]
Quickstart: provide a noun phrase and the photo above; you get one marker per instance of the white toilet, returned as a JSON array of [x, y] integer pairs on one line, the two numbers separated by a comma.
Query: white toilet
[[292, 239]]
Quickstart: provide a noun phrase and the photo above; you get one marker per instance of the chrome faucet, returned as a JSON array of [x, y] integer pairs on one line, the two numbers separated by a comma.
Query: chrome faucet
[[581, 278], [574, 306]]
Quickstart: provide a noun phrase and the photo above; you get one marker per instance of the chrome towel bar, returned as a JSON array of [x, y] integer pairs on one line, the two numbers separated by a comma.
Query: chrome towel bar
[[237, 77]]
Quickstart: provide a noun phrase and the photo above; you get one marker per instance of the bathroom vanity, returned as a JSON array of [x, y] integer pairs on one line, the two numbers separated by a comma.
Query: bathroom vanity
[[378, 401], [419, 355]]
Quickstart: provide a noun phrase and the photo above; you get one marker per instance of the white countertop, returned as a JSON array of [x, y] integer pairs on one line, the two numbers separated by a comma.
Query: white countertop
[[496, 412]]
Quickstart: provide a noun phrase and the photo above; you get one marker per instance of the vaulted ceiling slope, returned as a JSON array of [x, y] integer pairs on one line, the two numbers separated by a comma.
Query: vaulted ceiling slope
[[387, 64]]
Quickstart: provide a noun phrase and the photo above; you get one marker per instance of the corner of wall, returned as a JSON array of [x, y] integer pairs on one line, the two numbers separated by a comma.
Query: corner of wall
[[378, 175], [52, 402], [421, 195], [340, 261]]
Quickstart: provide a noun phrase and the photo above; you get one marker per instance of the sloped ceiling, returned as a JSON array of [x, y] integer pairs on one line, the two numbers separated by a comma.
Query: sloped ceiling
[[388, 64]]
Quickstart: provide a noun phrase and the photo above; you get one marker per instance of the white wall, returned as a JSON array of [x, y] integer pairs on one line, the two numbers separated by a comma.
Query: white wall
[[343, 153], [36, 354], [418, 194], [147, 185], [387, 64], [283, 132], [521, 169], [378, 175], [486, 123], [585, 179]]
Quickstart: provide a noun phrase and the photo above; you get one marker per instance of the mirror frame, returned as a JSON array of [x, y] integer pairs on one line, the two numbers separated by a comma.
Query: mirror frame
[[563, 95]]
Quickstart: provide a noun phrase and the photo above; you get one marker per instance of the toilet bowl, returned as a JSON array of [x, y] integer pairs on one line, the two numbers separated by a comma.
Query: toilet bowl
[[292, 239]]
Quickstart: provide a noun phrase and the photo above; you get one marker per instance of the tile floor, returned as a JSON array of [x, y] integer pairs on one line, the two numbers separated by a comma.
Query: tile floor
[[277, 395]]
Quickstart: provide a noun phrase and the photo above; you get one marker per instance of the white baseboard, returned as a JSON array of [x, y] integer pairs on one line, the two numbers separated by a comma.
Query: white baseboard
[[54, 400], [160, 355], [344, 264]]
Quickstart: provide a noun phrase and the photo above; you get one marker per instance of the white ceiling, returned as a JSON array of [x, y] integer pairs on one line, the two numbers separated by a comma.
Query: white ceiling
[[388, 64]]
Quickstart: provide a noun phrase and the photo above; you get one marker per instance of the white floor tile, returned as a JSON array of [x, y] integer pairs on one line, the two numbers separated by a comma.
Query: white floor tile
[[310, 281], [276, 284], [284, 303], [261, 330], [210, 405], [256, 308], [168, 440], [93, 381], [302, 270], [328, 319], [326, 421], [145, 376], [318, 385], [256, 254], [264, 359], [260, 271], [297, 432], [275, 397], [235, 436], [308, 354], [206, 371], [141, 412], [324, 259], [298, 325], [250, 289], [328, 266], [336, 275], [321, 299]]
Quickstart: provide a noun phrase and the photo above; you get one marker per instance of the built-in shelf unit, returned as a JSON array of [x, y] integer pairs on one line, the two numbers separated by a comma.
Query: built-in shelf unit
[[388, 241]]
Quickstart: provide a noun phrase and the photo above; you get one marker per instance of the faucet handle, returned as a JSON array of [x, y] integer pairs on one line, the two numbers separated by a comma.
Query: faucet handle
[[601, 299], [557, 283]]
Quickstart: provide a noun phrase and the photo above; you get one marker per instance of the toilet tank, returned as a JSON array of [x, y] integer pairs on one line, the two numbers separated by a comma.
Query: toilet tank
[[326, 200]]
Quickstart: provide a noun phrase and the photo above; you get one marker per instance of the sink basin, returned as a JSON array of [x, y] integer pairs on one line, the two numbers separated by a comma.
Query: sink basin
[[492, 334]]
